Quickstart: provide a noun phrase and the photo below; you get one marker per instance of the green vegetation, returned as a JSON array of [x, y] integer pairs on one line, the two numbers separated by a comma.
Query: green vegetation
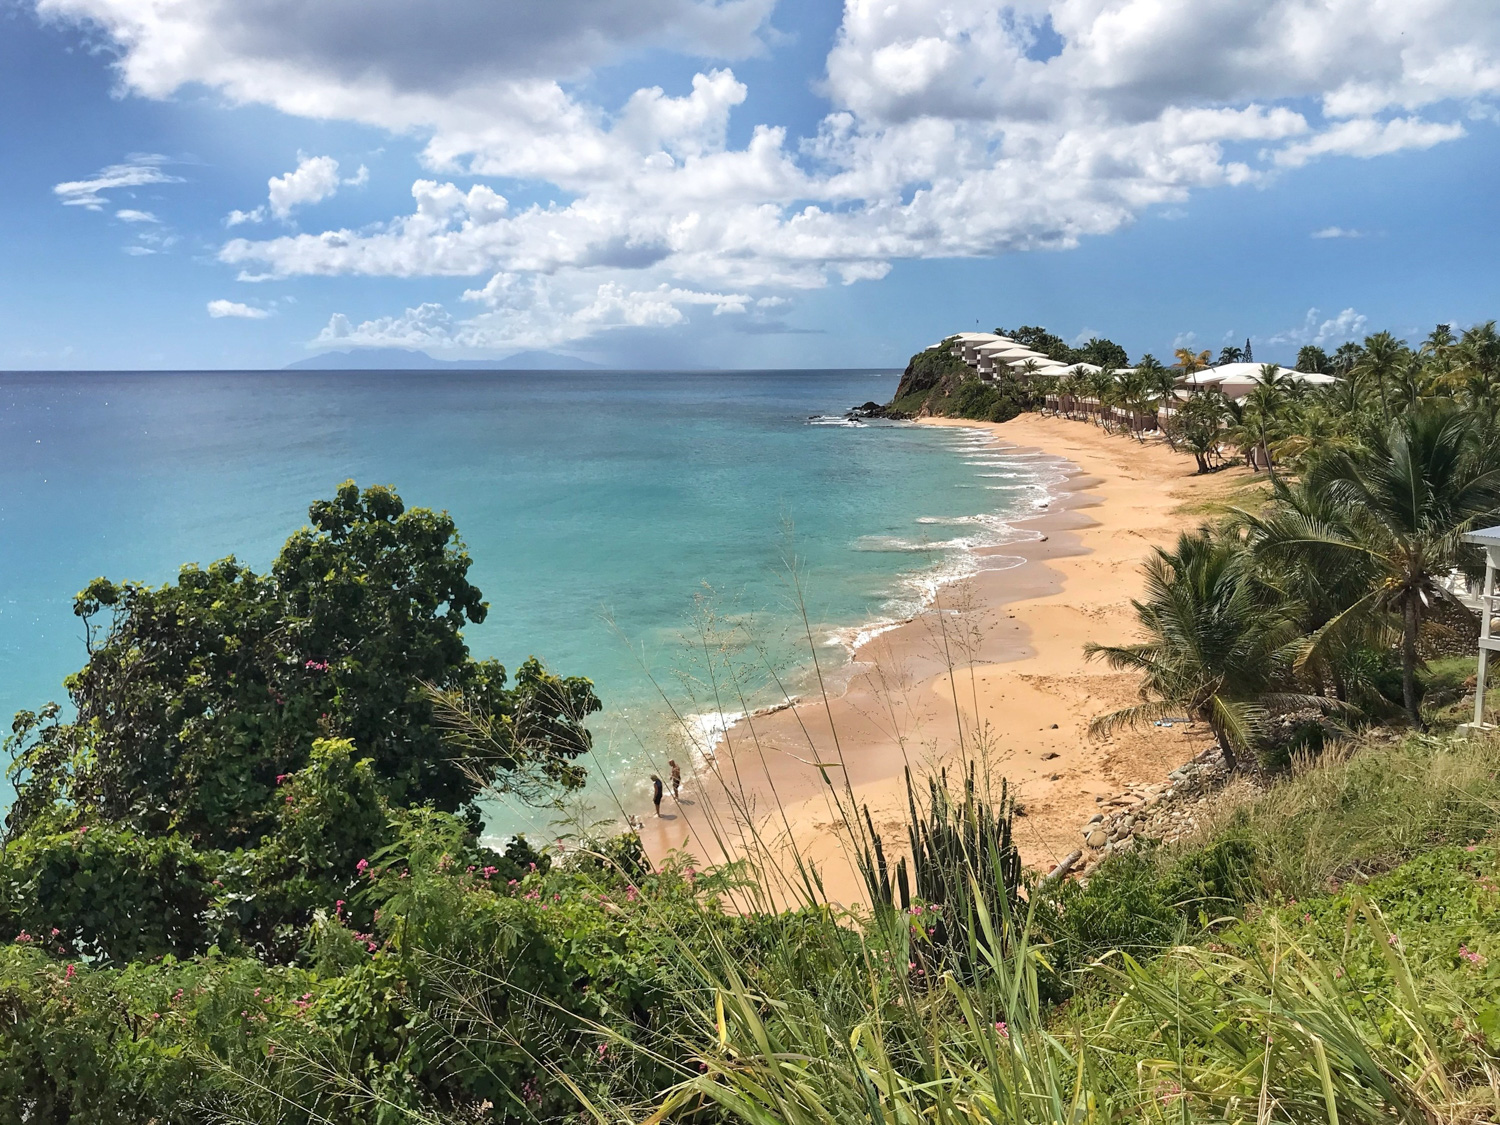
[[938, 382], [243, 879]]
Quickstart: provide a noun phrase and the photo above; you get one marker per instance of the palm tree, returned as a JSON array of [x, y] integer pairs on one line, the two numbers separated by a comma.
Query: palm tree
[[1231, 354], [1312, 358], [1214, 648], [1189, 361], [1345, 356], [1068, 389], [1200, 420], [1382, 356], [1405, 501], [1260, 424], [1161, 384]]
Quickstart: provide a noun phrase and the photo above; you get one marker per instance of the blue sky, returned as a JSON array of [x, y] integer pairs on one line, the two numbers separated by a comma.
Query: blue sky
[[737, 183]]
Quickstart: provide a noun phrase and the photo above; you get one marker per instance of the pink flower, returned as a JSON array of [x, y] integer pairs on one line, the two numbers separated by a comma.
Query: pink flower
[[72, 970], [280, 777], [1002, 1029], [362, 866]]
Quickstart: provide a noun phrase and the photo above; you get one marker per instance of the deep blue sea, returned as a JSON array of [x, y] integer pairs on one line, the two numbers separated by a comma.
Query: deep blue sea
[[609, 515]]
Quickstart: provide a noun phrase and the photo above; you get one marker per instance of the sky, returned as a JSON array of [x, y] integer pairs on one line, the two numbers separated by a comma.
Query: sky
[[204, 184]]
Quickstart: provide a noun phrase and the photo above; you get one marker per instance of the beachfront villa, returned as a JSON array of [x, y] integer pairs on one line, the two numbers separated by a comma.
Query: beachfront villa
[[994, 357], [1236, 380]]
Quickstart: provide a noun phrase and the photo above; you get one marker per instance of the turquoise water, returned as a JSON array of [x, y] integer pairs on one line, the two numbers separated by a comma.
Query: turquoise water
[[605, 513]]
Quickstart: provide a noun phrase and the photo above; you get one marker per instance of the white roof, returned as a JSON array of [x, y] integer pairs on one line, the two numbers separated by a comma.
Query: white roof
[[1236, 379], [970, 337], [1487, 537], [1005, 347]]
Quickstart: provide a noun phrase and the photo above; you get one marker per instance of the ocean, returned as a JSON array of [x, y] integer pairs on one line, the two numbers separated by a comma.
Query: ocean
[[649, 530]]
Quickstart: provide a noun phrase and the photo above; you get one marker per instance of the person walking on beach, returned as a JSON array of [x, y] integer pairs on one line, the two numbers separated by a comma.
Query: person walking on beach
[[656, 793], [676, 779]]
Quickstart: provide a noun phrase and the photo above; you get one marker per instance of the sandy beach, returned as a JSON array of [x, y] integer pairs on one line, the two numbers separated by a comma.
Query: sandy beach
[[993, 670]]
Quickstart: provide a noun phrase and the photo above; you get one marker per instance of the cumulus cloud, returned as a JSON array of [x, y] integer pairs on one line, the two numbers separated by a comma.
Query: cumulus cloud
[[139, 170], [948, 134], [1337, 232], [315, 179], [223, 308], [1348, 325]]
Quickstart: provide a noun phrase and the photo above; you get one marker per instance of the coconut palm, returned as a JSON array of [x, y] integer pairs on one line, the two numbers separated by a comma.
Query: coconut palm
[[1200, 422], [1380, 359], [1216, 648], [1405, 501], [1260, 424], [1189, 361]]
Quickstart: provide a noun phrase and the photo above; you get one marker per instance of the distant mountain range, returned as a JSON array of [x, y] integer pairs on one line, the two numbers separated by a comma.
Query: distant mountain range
[[406, 359]]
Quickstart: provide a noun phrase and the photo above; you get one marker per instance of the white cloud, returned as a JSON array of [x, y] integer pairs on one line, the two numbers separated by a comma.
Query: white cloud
[[315, 179], [128, 215], [223, 308], [531, 312], [1337, 232], [944, 137], [139, 170], [1366, 137], [1348, 325]]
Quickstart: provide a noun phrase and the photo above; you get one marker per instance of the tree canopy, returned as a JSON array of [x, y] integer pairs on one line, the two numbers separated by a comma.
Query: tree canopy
[[209, 704]]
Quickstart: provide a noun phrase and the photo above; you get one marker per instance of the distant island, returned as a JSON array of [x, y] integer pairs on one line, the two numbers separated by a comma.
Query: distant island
[[408, 359]]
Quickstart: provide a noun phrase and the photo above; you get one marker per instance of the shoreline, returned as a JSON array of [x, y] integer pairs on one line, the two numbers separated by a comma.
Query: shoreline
[[992, 669]]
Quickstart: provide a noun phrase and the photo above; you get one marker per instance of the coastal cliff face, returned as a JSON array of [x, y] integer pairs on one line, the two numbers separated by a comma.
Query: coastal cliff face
[[937, 382], [930, 378]]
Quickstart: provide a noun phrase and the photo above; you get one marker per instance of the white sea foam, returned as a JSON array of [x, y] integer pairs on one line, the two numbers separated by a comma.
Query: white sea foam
[[704, 732], [961, 556], [836, 420]]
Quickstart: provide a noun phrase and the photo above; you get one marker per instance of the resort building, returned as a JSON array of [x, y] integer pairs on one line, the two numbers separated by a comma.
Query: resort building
[[1236, 380], [994, 358]]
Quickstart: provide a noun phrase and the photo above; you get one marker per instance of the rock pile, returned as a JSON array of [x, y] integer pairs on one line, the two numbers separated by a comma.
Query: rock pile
[[1166, 811]]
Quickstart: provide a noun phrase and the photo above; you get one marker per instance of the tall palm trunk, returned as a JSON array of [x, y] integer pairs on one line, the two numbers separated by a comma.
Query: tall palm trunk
[[1409, 626]]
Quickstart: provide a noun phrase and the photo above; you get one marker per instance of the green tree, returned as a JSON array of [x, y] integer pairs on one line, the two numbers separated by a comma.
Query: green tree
[[1312, 359], [200, 693], [1405, 500], [1103, 353], [1038, 339], [1189, 361], [1230, 354], [1215, 647]]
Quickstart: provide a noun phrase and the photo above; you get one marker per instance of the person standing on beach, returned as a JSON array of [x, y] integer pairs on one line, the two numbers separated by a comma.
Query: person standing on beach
[[656, 793], [676, 779]]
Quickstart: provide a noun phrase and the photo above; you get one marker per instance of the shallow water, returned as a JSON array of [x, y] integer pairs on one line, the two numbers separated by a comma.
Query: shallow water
[[605, 513]]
